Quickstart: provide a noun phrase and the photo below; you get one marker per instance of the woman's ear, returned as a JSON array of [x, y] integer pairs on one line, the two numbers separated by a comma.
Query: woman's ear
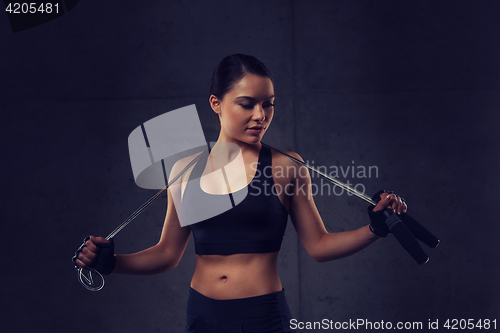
[[215, 104]]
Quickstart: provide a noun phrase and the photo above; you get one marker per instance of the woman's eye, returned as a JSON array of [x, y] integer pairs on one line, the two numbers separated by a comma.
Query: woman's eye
[[247, 106], [269, 105]]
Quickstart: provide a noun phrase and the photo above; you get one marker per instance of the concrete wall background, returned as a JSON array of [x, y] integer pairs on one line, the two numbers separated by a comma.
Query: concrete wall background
[[409, 86]]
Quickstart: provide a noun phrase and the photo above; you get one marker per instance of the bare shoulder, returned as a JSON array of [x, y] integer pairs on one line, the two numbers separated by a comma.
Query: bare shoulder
[[287, 167], [282, 160]]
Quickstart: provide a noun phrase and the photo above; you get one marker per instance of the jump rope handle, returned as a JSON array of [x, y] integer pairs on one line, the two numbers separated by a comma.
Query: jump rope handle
[[419, 231], [407, 230], [405, 237]]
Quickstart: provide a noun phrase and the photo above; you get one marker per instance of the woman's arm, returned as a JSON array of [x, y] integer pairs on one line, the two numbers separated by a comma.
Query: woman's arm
[[163, 256], [318, 242]]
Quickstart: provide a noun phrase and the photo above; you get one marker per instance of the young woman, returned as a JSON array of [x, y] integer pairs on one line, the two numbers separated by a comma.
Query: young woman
[[235, 286]]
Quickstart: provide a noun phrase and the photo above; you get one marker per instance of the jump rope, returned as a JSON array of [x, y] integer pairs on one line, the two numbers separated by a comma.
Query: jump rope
[[405, 229]]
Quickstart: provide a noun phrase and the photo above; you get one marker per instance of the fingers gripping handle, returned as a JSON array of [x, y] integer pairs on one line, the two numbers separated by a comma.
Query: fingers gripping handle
[[88, 277], [405, 237], [91, 277]]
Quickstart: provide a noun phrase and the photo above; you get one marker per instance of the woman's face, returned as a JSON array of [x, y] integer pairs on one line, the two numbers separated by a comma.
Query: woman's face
[[246, 111]]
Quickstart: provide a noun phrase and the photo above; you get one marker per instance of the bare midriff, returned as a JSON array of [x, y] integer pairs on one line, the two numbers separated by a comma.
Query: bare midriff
[[237, 275]]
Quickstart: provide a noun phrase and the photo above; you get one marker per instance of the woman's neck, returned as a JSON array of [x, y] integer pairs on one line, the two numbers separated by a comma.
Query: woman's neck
[[244, 147]]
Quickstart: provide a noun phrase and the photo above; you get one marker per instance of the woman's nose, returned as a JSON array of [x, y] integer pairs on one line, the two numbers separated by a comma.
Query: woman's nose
[[258, 113]]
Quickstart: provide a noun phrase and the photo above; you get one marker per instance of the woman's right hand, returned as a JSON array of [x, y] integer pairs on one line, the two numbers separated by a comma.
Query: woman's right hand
[[96, 253]]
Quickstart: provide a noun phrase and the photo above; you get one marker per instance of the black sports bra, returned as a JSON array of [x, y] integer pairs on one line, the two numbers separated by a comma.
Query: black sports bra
[[254, 225]]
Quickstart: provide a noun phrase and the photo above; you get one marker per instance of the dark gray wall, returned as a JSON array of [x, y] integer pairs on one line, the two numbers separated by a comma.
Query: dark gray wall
[[411, 87]]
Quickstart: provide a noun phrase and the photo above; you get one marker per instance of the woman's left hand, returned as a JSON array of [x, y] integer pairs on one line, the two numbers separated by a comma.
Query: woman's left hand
[[391, 201]]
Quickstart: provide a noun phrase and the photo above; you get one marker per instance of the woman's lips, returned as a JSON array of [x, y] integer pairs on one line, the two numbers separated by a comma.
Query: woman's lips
[[256, 130]]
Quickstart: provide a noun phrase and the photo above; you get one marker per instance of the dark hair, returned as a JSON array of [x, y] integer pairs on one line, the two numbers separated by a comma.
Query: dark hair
[[232, 69]]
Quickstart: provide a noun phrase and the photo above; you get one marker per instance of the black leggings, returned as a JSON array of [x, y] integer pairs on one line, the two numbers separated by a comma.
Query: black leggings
[[260, 314]]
